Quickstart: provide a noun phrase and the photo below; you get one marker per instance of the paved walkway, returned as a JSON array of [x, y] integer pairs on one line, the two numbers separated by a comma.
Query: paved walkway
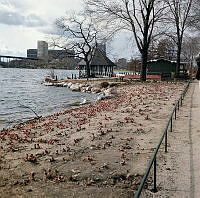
[[179, 168], [184, 150], [194, 138]]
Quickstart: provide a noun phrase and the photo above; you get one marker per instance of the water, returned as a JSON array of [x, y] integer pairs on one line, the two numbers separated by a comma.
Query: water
[[20, 87]]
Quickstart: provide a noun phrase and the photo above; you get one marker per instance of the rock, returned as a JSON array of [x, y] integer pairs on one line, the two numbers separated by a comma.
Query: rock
[[106, 94], [75, 87], [48, 84], [95, 90], [110, 92], [88, 88], [112, 84], [69, 85], [83, 89], [104, 84], [60, 84], [81, 85], [103, 96], [48, 79], [65, 85]]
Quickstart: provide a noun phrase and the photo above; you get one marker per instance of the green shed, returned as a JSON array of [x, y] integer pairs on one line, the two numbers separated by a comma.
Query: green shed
[[161, 66], [166, 68]]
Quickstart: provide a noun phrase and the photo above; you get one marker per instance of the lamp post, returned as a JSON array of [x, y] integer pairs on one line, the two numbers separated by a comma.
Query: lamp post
[[198, 69]]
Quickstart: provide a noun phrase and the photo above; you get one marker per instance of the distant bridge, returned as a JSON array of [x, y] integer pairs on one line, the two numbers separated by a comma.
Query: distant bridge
[[16, 58], [10, 61]]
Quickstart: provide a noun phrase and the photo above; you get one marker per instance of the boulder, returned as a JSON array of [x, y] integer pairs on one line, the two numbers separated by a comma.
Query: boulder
[[81, 85], [48, 79], [69, 85], [104, 84], [75, 87], [112, 84], [101, 97], [48, 83], [95, 90], [110, 92], [88, 88], [105, 95], [83, 89], [65, 85], [60, 84]]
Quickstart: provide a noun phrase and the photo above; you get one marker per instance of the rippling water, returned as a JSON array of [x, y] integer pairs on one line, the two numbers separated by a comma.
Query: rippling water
[[23, 87]]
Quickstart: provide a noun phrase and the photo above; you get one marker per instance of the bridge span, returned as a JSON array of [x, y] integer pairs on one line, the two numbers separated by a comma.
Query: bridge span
[[2, 57], [15, 61]]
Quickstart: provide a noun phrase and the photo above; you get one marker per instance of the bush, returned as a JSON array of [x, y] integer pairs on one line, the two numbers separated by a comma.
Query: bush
[[104, 84]]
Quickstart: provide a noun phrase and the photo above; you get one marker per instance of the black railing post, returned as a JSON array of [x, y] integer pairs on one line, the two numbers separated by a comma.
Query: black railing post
[[175, 113], [181, 100], [166, 141], [171, 122], [154, 181], [178, 105]]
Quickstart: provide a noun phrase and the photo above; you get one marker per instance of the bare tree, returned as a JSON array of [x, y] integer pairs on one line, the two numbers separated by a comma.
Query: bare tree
[[137, 16], [162, 48], [190, 49], [194, 20], [178, 19], [78, 36]]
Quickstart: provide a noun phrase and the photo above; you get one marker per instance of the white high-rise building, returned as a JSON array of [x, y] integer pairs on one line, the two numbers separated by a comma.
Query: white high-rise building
[[42, 50]]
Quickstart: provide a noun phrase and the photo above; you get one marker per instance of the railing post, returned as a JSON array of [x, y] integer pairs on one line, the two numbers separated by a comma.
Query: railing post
[[171, 122], [154, 181], [166, 141], [178, 105], [181, 100], [175, 113]]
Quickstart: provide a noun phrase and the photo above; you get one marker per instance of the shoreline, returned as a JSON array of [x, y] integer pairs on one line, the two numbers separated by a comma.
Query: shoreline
[[88, 150], [73, 105]]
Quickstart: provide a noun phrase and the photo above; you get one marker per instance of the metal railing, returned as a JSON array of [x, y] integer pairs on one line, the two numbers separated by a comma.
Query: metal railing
[[153, 161]]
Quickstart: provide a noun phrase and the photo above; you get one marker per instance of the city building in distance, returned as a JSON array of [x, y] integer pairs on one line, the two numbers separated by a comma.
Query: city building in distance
[[31, 53], [42, 52]]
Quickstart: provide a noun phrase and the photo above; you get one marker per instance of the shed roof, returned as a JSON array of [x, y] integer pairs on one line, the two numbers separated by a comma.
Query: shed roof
[[99, 58]]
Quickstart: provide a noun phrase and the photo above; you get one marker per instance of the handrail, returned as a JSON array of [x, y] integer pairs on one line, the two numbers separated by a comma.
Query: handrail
[[153, 159]]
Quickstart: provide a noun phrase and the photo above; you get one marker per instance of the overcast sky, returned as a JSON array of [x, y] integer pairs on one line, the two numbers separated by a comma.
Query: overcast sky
[[23, 22]]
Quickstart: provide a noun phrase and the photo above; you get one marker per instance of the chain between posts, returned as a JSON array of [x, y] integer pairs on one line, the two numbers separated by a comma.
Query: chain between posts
[[153, 160]]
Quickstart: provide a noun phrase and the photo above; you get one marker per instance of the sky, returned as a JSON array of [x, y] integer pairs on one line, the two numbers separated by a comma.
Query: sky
[[23, 22]]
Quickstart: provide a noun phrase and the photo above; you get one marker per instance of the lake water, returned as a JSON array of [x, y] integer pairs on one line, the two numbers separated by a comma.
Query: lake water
[[20, 87]]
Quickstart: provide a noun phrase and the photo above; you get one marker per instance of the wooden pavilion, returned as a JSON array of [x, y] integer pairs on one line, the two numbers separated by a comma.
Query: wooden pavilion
[[100, 65]]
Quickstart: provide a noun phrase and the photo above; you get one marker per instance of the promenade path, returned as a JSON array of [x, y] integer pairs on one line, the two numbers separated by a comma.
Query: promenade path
[[179, 174]]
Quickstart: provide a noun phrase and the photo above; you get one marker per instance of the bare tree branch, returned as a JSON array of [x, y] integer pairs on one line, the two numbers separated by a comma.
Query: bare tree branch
[[137, 16], [179, 13]]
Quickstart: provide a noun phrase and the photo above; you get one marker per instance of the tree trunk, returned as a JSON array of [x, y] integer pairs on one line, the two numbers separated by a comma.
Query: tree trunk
[[178, 61], [144, 64], [87, 69]]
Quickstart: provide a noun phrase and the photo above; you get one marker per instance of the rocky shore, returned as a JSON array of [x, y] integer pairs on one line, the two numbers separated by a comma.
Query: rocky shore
[[95, 151], [105, 89]]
